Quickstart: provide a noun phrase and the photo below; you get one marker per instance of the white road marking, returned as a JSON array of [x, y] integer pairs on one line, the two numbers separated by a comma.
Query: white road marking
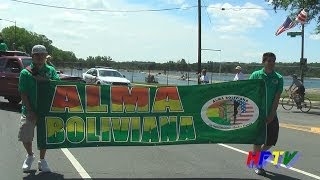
[[83, 173], [282, 165]]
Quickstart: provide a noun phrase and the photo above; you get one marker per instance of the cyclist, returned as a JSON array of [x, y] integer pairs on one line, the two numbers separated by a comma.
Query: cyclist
[[297, 90]]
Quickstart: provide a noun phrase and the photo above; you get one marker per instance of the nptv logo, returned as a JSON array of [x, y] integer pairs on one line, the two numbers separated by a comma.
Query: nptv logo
[[260, 158]]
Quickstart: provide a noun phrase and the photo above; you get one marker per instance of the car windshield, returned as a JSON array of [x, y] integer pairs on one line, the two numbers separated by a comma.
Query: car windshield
[[26, 62], [105, 73]]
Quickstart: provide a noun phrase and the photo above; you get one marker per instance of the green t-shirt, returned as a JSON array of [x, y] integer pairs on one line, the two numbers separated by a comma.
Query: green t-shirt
[[274, 85], [27, 83], [3, 47]]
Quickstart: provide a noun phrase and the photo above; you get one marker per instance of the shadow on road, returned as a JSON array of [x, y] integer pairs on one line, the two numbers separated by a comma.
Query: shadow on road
[[165, 178], [310, 112], [272, 175], [10, 107], [47, 176]]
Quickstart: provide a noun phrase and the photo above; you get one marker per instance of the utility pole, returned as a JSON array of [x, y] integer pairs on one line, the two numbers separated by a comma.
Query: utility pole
[[199, 41], [302, 60]]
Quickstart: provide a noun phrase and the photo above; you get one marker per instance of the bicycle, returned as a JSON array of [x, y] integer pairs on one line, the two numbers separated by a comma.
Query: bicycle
[[288, 102]]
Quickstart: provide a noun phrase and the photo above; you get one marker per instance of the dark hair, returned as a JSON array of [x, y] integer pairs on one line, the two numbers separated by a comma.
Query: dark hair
[[267, 55]]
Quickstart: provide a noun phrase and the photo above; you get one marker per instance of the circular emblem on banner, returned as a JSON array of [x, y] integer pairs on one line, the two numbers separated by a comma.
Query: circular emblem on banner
[[229, 112]]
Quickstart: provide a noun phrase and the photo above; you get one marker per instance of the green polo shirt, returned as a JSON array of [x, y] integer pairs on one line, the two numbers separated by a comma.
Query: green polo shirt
[[27, 83], [274, 85], [3, 47]]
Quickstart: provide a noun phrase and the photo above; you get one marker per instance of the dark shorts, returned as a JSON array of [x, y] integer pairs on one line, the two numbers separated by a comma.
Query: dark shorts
[[272, 132], [301, 90]]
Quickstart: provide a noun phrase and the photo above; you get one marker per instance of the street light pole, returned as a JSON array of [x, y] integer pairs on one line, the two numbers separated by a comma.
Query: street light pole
[[302, 60], [199, 40], [15, 27], [15, 35]]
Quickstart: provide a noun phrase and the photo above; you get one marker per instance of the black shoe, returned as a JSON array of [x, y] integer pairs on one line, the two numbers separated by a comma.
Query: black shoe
[[260, 171]]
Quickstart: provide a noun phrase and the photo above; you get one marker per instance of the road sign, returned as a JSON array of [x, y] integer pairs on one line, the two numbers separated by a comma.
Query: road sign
[[294, 34]]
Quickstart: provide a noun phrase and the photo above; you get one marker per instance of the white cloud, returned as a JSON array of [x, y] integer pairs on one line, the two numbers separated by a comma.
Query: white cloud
[[4, 6], [70, 17], [315, 36], [182, 3], [237, 18], [176, 2], [150, 36]]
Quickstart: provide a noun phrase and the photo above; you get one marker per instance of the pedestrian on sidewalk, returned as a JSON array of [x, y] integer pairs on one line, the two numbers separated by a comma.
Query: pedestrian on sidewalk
[[37, 71], [239, 74], [274, 87], [204, 79], [236, 103]]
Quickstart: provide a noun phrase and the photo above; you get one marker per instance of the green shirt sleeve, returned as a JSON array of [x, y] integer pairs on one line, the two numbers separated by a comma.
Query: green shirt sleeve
[[23, 82], [53, 72], [252, 76], [55, 75], [280, 87]]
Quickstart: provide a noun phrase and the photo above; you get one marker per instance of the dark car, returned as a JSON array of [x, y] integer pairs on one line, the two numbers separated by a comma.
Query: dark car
[[10, 68]]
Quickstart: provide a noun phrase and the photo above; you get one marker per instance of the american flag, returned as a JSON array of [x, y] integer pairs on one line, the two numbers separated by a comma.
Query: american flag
[[288, 24], [246, 112], [302, 16]]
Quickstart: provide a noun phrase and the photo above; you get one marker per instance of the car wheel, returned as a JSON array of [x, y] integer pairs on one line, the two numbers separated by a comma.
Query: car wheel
[[14, 100]]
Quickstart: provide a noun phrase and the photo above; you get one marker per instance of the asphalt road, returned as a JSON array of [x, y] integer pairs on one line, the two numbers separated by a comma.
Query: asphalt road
[[172, 161]]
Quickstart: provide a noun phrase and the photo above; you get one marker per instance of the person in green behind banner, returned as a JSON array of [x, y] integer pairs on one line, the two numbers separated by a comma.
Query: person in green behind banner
[[274, 87], [3, 46], [37, 71]]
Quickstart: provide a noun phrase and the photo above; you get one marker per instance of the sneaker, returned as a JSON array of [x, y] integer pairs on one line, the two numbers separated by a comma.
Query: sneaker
[[28, 162], [43, 166], [260, 171]]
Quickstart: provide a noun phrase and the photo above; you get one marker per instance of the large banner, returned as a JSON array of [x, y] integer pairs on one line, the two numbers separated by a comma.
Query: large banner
[[81, 115]]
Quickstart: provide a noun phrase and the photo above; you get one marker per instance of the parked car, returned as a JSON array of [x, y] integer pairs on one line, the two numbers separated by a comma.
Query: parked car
[[105, 75], [14, 53], [10, 68]]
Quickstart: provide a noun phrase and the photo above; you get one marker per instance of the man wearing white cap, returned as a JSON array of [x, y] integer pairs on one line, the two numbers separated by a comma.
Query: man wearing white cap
[[236, 104], [239, 75], [38, 70]]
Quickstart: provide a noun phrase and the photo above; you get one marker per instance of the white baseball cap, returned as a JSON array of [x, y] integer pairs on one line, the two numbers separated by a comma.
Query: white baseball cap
[[238, 67], [39, 49]]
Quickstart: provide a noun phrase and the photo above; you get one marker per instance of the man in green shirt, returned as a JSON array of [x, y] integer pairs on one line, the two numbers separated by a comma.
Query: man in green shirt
[[274, 88], [37, 71], [3, 46]]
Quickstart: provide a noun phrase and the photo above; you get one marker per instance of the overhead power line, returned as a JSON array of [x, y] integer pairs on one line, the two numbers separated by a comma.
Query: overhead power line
[[104, 10], [140, 10]]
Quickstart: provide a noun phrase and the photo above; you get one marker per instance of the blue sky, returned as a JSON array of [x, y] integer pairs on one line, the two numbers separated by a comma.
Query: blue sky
[[243, 31]]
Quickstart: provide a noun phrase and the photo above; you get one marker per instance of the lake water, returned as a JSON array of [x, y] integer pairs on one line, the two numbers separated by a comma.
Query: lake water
[[172, 77]]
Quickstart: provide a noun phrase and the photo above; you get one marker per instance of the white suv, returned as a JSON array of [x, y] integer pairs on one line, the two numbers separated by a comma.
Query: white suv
[[105, 75]]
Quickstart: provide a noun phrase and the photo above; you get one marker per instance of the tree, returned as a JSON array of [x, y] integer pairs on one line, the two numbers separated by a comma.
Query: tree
[[295, 6]]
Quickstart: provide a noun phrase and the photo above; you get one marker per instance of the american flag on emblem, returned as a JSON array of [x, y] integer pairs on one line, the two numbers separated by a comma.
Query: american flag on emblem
[[288, 24], [246, 112]]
